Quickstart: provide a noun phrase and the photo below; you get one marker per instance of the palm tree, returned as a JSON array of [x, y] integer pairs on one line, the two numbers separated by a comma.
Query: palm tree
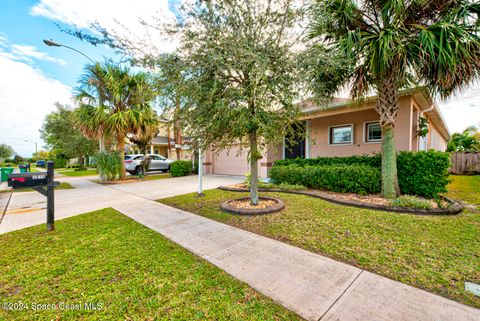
[[90, 94], [125, 107], [393, 44]]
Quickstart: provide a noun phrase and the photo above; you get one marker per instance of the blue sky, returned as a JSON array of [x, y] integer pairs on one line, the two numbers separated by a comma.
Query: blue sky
[[33, 76], [21, 27]]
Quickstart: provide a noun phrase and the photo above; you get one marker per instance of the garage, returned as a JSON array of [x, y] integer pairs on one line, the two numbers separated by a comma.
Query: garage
[[230, 162]]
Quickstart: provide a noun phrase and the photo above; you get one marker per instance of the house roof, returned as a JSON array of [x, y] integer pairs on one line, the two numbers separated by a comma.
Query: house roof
[[310, 109], [162, 140]]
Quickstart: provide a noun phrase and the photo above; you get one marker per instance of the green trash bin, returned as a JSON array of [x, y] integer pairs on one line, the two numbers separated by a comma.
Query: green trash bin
[[23, 168], [5, 171]]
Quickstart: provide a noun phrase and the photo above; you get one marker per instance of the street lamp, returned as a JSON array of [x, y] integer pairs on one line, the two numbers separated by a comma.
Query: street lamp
[[52, 43], [27, 141]]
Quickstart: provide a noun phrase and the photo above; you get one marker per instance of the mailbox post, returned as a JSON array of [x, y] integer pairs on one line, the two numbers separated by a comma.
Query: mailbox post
[[50, 198], [42, 183]]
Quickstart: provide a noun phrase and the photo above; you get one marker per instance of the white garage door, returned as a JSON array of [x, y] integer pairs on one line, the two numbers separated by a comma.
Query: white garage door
[[229, 162]]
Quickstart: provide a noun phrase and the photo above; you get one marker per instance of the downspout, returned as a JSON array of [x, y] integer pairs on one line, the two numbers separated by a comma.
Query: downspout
[[421, 116], [426, 110]]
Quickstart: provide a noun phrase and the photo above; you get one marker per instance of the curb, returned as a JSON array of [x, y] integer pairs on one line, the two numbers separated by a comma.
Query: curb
[[454, 209]]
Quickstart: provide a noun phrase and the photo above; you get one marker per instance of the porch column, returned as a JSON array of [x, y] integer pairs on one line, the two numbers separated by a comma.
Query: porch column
[[151, 149], [307, 139]]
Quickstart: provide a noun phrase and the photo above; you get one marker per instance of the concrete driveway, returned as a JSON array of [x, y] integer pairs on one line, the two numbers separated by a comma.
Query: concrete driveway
[[29, 208]]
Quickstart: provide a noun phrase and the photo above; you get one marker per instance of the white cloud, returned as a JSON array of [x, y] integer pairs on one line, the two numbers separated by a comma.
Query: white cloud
[[28, 52], [120, 17], [25, 53], [27, 96], [463, 110]]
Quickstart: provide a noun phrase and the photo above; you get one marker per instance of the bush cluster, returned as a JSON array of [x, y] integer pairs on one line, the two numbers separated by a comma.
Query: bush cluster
[[361, 179], [60, 162], [419, 173], [108, 165], [180, 168]]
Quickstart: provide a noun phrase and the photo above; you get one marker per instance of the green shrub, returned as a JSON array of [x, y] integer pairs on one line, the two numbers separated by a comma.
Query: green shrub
[[419, 173], [59, 162], [180, 168], [361, 179], [410, 201], [108, 165], [374, 161], [423, 173]]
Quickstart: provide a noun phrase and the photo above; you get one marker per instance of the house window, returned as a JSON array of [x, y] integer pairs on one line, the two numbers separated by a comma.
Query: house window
[[341, 135], [373, 132]]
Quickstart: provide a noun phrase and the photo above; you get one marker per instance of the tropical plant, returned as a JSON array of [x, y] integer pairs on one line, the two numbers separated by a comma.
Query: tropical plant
[[466, 141], [242, 75], [393, 44], [126, 105], [109, 165]]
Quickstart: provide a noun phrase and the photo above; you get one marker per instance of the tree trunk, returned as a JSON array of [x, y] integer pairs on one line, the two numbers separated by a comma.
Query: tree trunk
[[254, 153], [121, 152], [176, 128], [101, 145], [387, 109]]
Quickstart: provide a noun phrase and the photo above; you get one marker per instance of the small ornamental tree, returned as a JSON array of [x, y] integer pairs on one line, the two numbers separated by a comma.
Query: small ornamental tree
[[6, 151], [393, 44], [241, 74]]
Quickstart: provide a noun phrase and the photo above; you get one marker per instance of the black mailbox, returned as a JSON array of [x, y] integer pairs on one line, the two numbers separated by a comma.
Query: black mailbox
[[27, 179]]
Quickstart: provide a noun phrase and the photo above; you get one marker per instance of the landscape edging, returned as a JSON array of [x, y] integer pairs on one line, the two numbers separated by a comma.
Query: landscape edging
[[454, 209]]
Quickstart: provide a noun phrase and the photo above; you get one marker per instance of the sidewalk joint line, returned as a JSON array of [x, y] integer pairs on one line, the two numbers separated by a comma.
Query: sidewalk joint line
[[6, 207], [341, 295]]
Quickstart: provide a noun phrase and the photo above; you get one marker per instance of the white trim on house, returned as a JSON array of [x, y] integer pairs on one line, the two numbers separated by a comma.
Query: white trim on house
[[307, 138], [365, 133], [283, 148], [341, 144]]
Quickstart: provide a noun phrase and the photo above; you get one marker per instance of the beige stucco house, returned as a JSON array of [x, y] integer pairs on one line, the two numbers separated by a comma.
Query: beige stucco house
[[344, 128], [164, 143]]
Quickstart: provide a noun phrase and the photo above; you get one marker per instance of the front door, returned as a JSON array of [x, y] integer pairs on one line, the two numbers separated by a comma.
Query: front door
[[295, 144]]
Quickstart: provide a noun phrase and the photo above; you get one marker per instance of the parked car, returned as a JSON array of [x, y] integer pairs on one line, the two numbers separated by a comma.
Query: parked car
[[41, 163], [157, 163]]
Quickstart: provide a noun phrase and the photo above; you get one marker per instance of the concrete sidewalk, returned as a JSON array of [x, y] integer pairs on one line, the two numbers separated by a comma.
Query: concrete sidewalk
[[315, 287]]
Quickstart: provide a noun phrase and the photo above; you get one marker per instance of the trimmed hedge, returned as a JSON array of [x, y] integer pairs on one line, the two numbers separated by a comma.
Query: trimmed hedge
[[423, 173], [419, 173], [374, 161], [180, 168], [360, 179]]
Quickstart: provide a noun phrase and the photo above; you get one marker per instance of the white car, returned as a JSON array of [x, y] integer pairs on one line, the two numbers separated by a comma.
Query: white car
[[157, 163]]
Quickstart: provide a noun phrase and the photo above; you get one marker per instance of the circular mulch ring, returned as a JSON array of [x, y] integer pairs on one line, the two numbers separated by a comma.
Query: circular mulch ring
[[236, 206]]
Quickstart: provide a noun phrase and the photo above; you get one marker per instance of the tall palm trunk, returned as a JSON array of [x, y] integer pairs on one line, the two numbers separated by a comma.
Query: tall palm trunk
[[121, 153], [254, 153], [177, 129], [387, 109]]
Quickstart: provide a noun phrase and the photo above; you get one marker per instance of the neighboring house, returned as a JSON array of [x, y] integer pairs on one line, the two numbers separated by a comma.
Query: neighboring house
[[160, 144], [344, 128]]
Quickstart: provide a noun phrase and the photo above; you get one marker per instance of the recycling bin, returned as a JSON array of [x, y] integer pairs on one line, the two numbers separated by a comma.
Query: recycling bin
[[4, 171]]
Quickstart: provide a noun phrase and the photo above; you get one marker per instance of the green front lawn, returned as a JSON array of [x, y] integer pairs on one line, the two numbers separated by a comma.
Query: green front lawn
[[104, 258], [73, 173], [63, 185], [435, 253], [465, 188]]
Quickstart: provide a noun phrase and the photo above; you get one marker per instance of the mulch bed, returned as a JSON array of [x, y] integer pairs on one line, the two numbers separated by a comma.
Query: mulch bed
[[242, 206], [375, 202]]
